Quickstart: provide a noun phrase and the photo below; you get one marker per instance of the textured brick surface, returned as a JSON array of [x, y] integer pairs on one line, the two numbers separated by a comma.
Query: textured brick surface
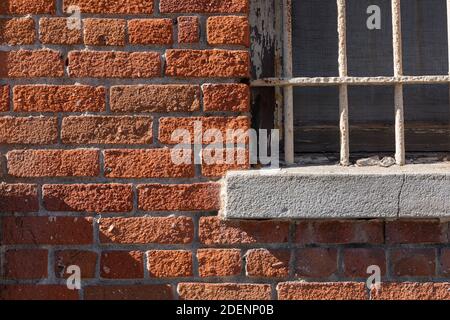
[[188, 29], [122, 265], [268, 263], [17, 31], [357, 260], [86, 260], [226, 97], [227, 6], [316, 262], [398, 232], [112, 6], [28, 130], [37, 292], [225, 291], [88, 197], [57, 31], [413, 262], [169, 264], [129, 292], [219, 262], [104, 32], [27, 7], [53, 163], [18, 197], [322, 291], [150, 31], [26, 264], [4, 98], [412, 291], [228, 30], [43, 63]]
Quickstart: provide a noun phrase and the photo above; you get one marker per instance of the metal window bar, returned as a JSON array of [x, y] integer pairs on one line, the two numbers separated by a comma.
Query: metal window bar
[[288, 82]]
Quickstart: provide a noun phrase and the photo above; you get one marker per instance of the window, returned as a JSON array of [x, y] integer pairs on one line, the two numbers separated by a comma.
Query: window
[[352, 91]]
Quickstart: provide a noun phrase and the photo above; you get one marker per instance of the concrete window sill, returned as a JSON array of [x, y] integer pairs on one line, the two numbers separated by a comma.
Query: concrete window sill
[[334, 192]]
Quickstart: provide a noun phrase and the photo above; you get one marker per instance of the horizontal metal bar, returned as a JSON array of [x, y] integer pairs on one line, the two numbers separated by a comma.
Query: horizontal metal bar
[[356, 81]]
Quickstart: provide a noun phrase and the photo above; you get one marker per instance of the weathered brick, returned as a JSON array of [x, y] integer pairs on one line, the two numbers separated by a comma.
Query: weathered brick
[[217, 162], [445, 262], [37, 292], [163, 230], [226, 97], [413, 262], [207, 63], [155, 98], [219, 262], [224, 291], [151, 163], [228, 30], [268, 263], [322, 291], [204, 6], [169, 263], [31, 64], [27, 7], [49, 98], [47, 230], [168, 126], [4, 98], [340, 232], [104, 32], [57, 31], [53, 163], [26, 264], [122, 265], [411, 291], [357, 260], [150, 31], [107, 130], [28, 130], [415, 231], [129, 292], [86, 260], [179, 197], [316, 262], [188, 29], [18, 197], [214, 230], [112, 6], [114, 64], [88, 197], [17, 31]]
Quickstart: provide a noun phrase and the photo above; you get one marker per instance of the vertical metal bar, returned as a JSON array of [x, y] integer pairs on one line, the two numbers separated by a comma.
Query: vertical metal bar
[[343, 89], [288, 91], [398, 72]]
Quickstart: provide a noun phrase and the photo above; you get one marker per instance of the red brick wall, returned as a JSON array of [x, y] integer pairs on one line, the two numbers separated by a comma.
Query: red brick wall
[[85, 124]]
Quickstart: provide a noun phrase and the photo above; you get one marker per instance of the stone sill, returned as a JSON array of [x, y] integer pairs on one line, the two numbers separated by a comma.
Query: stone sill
[[334, 192]]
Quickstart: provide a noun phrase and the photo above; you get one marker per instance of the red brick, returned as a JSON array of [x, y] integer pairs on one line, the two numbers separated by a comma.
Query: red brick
[[213, 230], [168, 126], [226, 97], [224, 291], [150, 31], [104, 32], [107, 130], [413, 262], [219, 262], [340, 232], [17, 31], [207, 63], [26, 264], [179, 197], [155, 98], [112, 6], [18, 197], [151, 163], [419, 231], [188, 29], [322, 291], [53, 163], [146, 230], [37, 292], [31, 64], [228, 30], [316, 262], [47, 230], [357, 260], [27, 6], [122, 265], [169, 264], [445, 261], [268, 263], [86, 260], [28, 130], [88, 197], [4, 98], [411, 291], [204, 6], [223, 160], [57, 31], [114, 64], [45, 98], [130, 292]]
